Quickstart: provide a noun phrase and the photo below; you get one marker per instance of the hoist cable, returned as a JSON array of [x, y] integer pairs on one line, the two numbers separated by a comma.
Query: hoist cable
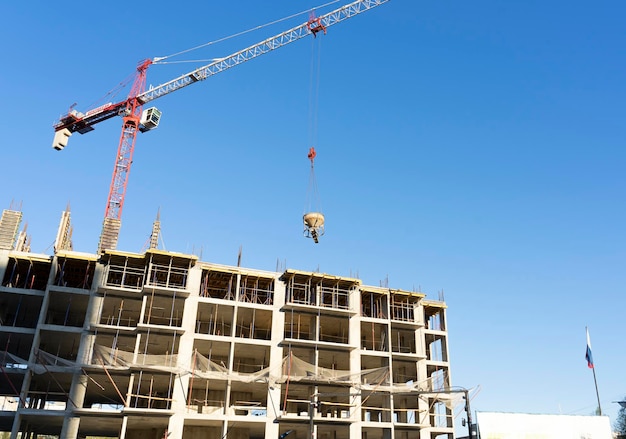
[[219, 40], [312, 200]]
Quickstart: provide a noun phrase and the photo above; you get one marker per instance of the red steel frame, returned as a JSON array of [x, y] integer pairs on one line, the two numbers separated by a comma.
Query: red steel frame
[[124, 157]]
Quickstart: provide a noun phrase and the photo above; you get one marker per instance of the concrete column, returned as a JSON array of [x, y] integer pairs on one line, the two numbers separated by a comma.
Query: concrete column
[[71, 423], [4, 262], [425, 433], [17, 420], [237, 288], [355, 430], [276, 358], [129, 389], [123, 429], [185, 360]]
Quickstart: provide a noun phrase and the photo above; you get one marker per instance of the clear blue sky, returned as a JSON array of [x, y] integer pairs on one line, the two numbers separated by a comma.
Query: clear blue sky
[[471, 147]]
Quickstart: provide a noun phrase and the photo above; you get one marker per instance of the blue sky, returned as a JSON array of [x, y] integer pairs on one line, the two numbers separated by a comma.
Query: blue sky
[[474, 148]]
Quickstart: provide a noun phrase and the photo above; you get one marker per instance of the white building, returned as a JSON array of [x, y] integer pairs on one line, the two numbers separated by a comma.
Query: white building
[[493, 425]]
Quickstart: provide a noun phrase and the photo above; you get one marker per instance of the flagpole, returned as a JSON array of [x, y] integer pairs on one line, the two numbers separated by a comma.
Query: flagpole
[[597, 393], [589, 358]]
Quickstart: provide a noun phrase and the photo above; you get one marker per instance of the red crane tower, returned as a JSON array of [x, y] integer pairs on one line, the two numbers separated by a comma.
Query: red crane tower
[[136, 119]]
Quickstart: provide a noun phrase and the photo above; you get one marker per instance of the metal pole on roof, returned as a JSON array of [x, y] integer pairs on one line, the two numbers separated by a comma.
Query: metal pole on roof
[[469, 413], [597, 394]]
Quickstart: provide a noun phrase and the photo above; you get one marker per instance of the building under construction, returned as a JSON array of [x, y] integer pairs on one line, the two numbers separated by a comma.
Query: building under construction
[[160, 344]]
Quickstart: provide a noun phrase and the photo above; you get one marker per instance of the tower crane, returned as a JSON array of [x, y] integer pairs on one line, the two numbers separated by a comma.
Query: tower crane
[[136, 119]]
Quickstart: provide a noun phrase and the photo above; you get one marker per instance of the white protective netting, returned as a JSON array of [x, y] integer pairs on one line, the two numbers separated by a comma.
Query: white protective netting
[[295, 369], [117, 358], [291, 369], [43, 360]]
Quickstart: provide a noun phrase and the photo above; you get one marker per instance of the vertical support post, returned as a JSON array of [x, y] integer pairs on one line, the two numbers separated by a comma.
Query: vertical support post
[[312, 407], [469, 414], [597, 394]]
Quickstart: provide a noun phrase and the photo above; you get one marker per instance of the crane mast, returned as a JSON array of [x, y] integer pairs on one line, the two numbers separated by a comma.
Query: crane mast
[[135, 119]]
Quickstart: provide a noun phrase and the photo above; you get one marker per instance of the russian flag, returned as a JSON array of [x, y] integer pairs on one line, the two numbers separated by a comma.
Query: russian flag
[[588, 353]]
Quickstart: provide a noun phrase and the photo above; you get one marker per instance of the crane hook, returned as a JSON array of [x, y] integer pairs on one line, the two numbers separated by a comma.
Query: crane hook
[[311, 155], [315, 24]]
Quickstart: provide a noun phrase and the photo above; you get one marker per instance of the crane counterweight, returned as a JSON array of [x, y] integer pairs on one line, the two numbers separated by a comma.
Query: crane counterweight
[[60, 139]]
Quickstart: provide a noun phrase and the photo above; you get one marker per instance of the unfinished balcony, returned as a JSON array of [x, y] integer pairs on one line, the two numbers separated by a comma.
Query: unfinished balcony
[[333, 360], [375, 337], [58, 347], [248, 399], [256, 289], [323, 330], [218, 283], [375, 303], [300, 326], [335, 404], [438, 377], [300, 291], [332, 294], [14, 366], [48, 393], [19, 310], [434, 315], [436, 347], [113, 347], [75, 272], [404, 372], [120, 312], [211, 359], [406, 410], [377, 432], [334, 329], [206, 396], [375, 372], [375, 407], [163, 311], [102, 390], [156, 350], [254, 323], [27, 273], [151, 391], [440, 415], [404, 342], [167, 273], [67, 309], [405, 307], [295, 400], [250, 358], [215, 319], [124, 271]]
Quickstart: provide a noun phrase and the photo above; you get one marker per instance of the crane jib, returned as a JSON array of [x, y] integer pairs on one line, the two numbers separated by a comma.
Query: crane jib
[[258, 49], [78, 122]]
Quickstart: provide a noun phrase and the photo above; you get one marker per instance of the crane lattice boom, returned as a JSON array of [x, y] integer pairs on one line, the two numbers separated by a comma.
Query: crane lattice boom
[[256, 50], [75, 121]]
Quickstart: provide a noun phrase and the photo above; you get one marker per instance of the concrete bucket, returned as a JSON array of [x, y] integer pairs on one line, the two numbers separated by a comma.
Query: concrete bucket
[[313, 225]]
